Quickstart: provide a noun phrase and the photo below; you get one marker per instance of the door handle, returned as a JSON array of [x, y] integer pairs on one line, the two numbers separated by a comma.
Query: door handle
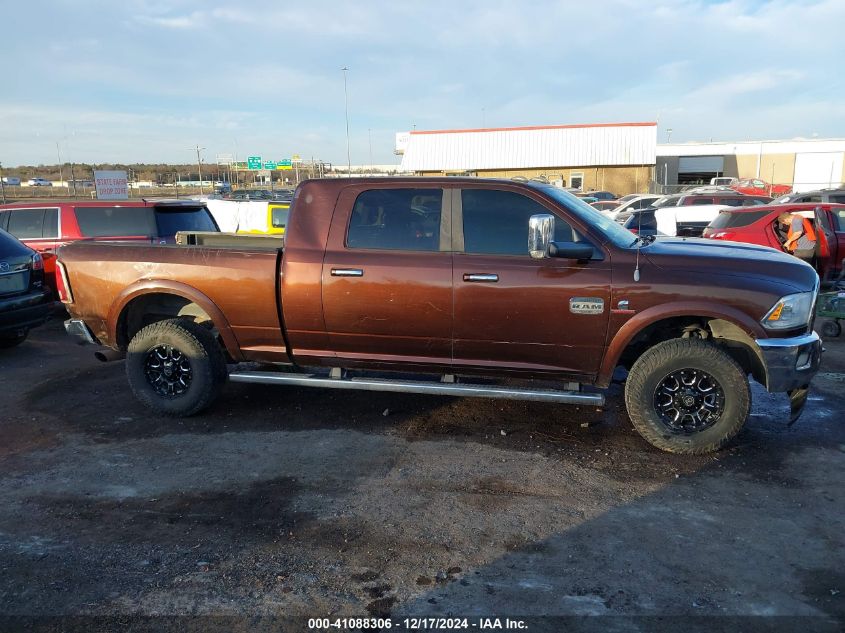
[[347, 272], [481, 277]]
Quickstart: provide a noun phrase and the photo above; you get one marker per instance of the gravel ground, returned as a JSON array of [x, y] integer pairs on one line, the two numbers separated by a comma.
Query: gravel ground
[[285, 502]]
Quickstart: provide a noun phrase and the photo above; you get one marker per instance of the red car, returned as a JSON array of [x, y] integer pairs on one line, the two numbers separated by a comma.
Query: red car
[[757, 187], [45, 226], [758, 225]]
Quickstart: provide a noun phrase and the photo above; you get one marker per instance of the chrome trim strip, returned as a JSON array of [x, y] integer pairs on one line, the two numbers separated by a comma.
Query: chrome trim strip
[[794, 341], [410, 386]]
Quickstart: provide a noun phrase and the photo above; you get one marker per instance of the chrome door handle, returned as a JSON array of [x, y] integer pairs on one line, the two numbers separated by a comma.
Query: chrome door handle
[[481, 277], [347, 272]]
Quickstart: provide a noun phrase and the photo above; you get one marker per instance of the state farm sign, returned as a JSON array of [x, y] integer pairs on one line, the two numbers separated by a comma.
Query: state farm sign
[[111, 185]]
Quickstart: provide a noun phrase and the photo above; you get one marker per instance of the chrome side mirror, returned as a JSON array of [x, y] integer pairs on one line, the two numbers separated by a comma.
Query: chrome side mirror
[[541, 227]]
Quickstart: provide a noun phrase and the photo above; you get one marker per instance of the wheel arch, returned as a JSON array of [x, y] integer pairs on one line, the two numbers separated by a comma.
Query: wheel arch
[[732, 329], [166, 299]]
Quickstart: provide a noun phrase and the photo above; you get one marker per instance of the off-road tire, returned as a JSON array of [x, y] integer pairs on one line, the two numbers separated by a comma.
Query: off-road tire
[[670, 356], [12, 340], [198, 344]]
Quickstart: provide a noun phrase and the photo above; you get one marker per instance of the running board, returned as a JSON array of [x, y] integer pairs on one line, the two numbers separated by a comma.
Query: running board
[[413, 386]]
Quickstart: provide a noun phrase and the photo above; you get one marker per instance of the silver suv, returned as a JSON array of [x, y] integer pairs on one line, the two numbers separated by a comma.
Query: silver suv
[[836, 196]]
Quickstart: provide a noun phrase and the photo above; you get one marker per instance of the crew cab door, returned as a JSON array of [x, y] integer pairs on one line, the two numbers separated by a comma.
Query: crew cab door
[[387, 276], [827, 248], [513, 312]]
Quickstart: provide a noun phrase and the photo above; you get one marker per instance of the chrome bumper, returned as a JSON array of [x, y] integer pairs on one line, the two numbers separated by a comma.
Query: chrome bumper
[[790, 363], [77, 327]]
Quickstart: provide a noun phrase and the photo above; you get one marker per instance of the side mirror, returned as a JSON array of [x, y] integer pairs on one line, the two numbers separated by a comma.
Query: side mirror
[[541, 227], [571, 250]]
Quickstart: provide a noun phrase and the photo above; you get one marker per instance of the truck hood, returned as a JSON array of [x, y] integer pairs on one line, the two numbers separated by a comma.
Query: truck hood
[[723, 258]]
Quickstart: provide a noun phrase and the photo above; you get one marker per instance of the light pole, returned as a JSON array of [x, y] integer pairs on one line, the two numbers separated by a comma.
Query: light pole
[[59, 156], [199, 166], [668, 135], [346, 108], [2, 185], [370, 138]]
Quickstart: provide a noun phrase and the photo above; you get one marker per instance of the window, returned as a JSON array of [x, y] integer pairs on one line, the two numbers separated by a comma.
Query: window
[[115, 221], [576, 180], [171, 220], [704, 201], [396, 219], [732, 219], [496, 222], [839, 216], [51, 224], [26, 223], [279, 217], [838, 199]]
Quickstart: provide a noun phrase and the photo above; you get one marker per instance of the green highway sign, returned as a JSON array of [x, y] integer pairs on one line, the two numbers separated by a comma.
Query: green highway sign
[[269, 164], [253, 162], [285, 162]]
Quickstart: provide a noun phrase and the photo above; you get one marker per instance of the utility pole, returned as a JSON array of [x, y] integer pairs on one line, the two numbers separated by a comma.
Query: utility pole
[[346, 108], [2, 185], [370, 137], [199, 166], [59, 156]]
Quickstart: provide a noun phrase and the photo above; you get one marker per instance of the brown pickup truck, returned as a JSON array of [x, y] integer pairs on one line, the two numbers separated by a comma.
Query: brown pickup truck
[[494, 288]]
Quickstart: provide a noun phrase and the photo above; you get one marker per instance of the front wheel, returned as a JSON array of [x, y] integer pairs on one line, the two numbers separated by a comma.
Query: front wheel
[[687, 396], [175, 367]]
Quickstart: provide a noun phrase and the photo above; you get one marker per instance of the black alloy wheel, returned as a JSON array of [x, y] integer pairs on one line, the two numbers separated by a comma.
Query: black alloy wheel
[[689, 401], [168, 371]]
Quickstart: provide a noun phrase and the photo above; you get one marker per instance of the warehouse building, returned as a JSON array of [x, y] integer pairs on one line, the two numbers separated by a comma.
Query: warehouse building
[[618, 157], [803, 164]]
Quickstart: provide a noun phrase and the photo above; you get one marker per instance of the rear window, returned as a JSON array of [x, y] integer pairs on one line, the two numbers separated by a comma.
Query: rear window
[[141, 221], [732, 219], [171, 220], [838, 199], [667, 201]]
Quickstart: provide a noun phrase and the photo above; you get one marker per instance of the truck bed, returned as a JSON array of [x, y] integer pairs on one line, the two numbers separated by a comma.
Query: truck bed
[[235, 282]]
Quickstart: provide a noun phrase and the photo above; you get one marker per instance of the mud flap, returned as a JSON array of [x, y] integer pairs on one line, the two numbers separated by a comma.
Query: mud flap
[[797, 400]]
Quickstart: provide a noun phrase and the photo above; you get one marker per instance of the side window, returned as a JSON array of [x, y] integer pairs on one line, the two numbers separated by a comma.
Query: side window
[[839, 216], [4, 220], [496, 222], [51, 224], [815, 198], [115, 221], [396, 219], [26, 223], [576, 180], [702, 201], [838, 199]]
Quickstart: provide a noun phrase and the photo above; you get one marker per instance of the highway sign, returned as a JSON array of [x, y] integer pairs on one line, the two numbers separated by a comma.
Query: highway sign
[[253, 162], [269, 164]]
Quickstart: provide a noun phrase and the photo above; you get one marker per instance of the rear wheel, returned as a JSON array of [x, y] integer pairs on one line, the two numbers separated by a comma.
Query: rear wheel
[[175, 367], [12, 340], [687, 396]]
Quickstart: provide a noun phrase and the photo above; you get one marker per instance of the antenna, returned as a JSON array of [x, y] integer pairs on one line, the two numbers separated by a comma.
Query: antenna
[[639, 243]]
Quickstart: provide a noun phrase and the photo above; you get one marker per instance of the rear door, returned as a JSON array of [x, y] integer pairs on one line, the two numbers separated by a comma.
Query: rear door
[[827, 247], [513, 312], [387, 276]]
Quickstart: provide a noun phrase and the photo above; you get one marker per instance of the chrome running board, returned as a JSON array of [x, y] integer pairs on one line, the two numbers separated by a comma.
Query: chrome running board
[[419, 386]]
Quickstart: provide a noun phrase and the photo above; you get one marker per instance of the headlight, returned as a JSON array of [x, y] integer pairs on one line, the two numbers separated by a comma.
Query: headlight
[[789, 312]]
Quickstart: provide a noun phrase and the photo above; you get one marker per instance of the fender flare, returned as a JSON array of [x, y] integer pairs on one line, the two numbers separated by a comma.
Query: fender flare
[[179, 289], [636, 324]]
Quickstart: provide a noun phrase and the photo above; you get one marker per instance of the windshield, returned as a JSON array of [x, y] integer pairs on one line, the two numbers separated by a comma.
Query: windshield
[[171, 220], [618, 235], [666, 201]]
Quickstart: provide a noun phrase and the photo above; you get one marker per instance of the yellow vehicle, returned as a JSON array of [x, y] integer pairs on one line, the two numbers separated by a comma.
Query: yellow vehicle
[[271, 222]]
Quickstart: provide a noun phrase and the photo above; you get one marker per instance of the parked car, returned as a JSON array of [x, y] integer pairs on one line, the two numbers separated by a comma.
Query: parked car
[[601, 195], [11, 181], [516, 280], [835, 196], [47, 226], [758, 225], [605, 205], [25, 300], [673, 221], [726, 197], [251, 194], [757, 187], [39, 182], [633, 202]]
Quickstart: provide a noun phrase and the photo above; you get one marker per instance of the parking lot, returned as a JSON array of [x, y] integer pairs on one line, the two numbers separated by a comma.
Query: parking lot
[[290, 501]]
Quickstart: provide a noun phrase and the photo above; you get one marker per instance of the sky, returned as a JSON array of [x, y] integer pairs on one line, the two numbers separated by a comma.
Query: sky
[[149, 81]]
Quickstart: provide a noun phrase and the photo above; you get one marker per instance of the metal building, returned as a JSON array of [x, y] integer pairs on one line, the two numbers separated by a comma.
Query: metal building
[[804, 164], [619, 157]]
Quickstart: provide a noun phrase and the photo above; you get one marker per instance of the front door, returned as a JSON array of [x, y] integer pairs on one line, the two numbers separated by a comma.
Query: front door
[[519, 313], [387, 277]]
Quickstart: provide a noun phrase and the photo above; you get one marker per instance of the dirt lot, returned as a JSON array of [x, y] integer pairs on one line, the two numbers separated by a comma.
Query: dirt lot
[[284, 501]]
